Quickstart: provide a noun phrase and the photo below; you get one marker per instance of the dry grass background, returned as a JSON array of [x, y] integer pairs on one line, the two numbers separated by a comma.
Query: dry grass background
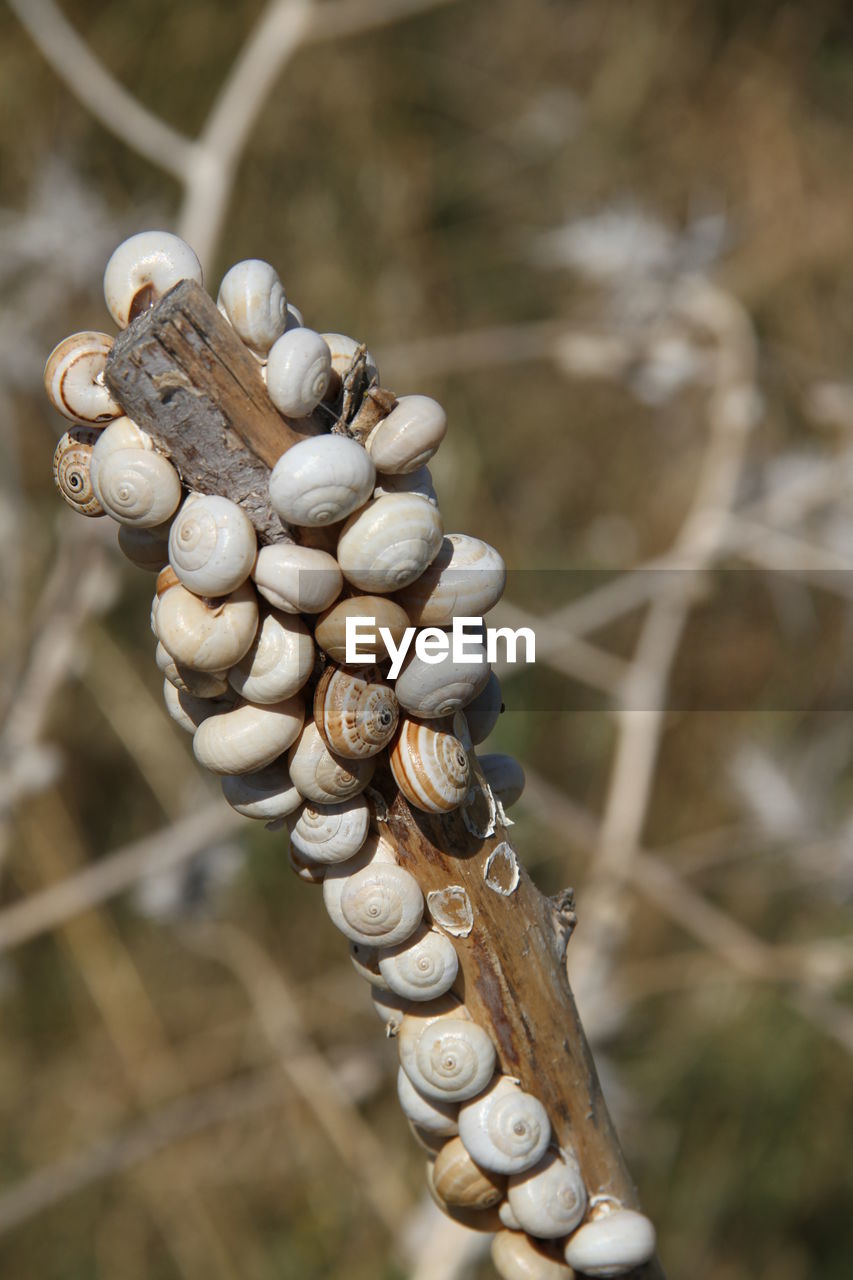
[[615, 240]]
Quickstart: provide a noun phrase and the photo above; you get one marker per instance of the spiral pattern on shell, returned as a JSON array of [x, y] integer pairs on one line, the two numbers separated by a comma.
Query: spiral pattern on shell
[[355, 717], [390, 542], [467, 577], [212, 545], [299, 367], [549, 1199], [251, 297], [321, 480], [506, 1129], [278, 662], [423, 967], [430, 767], [331, 832], [452, 1059], [72, 471], [322, 777], [138, 487], [73, 378], [381, 904]]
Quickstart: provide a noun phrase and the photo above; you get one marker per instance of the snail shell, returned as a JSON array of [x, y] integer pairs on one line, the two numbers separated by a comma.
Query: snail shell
[[438, 1118], [330, 631], [504, 775], [549, 1199], [251, 297], [265, 793], [306, 868], [507, 1217], [278, 662], [431, 1143], [137, 487], [423, 967], [486, 1220], [390, 1008], [612, 1244], [458, 1180], [146, 548], [517, 1257], [447, 1057], [331, 832], [142, 269], [482, 714], [188, 710], [249, 737], [380, 904], [355, 718], [206, 635], [212, 545], [418, 482], [342, 350], [506, 1129], [299, 367], [74, 378], [408, 436], [430, 768], [440, 688], [365, 961], [123, 433], [389, 543], [321, 480], [203, 684], [71, 471], [466, 577], [297, 579], [322, 777]]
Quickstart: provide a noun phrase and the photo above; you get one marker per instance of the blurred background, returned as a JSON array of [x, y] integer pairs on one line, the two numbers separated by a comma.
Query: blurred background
[[615, 240]]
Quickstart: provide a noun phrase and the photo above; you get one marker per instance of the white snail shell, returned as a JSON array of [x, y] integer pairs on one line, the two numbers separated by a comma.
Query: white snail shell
[[123, 433], [434, 1117], [297, 579], [507, 1217], [389, 543], [482, 714], [447, 1056], [74, 378], [506, 1129], [299, 367], [457, 1180], [322, 777], [206, 635], [430, 768], [251, 297], [366, 964], [203, 684], [187, 709], [278, 662], [249, 737], [389, 1008], [466, 577], [342, 350], [422, 967], [321, 480], [408, 436], [504, 775], [379, 904], [331, 832], [264, 793], [146, 548], [549, 1199], [418, 482], [137, 487], [72, 470], [355, 717], [212, 545], [517, 1257], [142, 269], [330, 631], [612, 1244], [440, 688]]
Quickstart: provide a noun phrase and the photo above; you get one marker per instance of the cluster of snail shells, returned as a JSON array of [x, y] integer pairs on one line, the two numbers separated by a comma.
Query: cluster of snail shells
[[251, 644]]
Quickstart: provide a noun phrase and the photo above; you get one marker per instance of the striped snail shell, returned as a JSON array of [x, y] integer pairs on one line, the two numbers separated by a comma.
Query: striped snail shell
[[278, 662], [249, 737], [330, 631], [205, 635], [379, 904], [146, 548], [438, 1118], [459, 1181], [365, 961], [299, 367], [297, 579], [137, 487], [446, 1056], [264, 793], [504, 775], [322, 777], [418, 482], [331, 832], [517, 1257], [612, 1244], [440, 688], [251, 297], [549, 1199], [430, 768], [71, 470], [506, 1129], [481, 715], [74, 378], [389, 542], [142, 269], [422, 967], [408, 436], [466, 577], [356, 718], [212, 545], [203, 684], [321, 480]]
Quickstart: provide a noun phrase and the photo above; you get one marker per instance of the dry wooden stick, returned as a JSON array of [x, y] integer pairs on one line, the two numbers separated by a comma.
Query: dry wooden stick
[[183, 375]]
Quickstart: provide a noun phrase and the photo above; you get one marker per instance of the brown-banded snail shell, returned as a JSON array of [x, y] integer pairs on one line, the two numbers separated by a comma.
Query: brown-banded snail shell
[[430, 767], [142, 269], [74, 378], [389, 543], [506, 1129], [356, 718], [321, 776], [71, 471]]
